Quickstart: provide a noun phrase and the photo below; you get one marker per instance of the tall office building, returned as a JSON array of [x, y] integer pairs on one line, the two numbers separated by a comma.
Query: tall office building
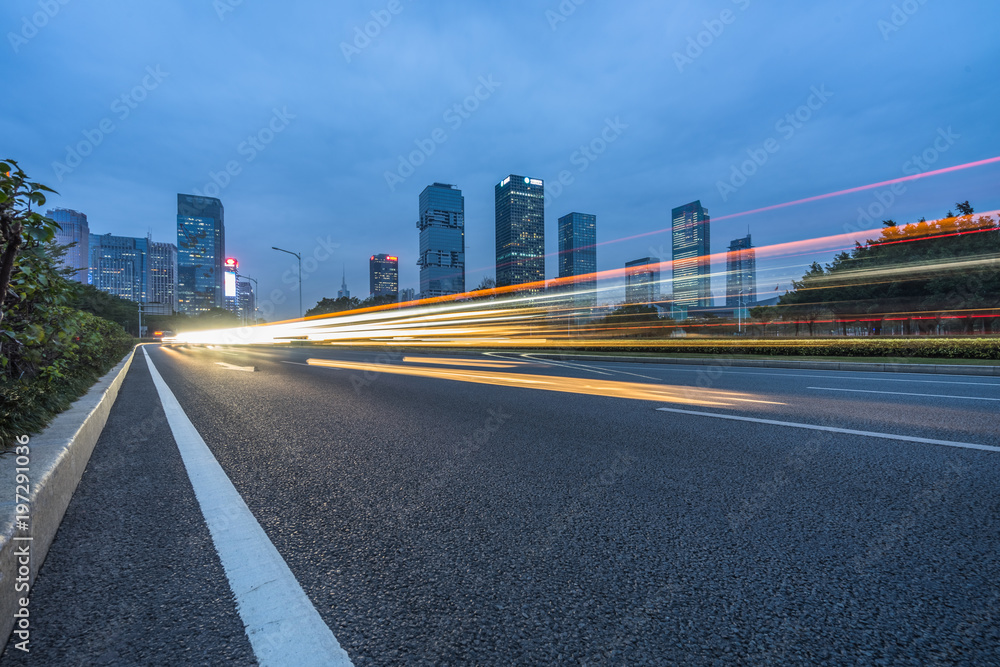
[[248, 301], [384, 275], [201, 244], [578, 255], [73, 228], [741, 273], [343, 292], [520, 230], [118, 266], [642, 281], [691, 249], [442, 241], [407, 295], [161, 278]]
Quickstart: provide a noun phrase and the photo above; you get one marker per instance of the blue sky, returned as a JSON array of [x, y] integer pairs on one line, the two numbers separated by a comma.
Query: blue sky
[[180, 88]]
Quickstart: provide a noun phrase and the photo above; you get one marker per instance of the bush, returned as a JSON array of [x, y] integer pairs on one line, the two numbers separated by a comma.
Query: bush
[[932, 348], [84, 349]]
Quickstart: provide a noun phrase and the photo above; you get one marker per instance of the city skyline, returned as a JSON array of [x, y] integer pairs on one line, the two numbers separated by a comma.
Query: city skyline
[[500, 100]]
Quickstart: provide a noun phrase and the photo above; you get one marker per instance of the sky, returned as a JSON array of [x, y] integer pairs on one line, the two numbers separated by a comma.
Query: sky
[[318, 124]]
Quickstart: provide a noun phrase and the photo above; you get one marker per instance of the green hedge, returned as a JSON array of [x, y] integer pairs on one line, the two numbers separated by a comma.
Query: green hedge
[[931, 348], [88, 347]]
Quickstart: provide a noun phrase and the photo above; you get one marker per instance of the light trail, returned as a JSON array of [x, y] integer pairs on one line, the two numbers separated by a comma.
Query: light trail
[[607, 388]]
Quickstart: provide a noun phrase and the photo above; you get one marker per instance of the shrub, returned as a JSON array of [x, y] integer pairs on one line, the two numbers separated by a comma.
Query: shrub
[[83, 350]]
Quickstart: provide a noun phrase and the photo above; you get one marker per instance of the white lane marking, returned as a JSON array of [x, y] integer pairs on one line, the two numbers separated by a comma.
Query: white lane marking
[[904, 393], [831, 429], [864, 376], [584, 367], [231, 367], [299, 363], [283, 626]]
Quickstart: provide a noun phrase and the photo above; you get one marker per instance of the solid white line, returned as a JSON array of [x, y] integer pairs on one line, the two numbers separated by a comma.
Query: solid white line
[[584, 367], [231, 367], [283, 626], [903, 393], [831, 429]]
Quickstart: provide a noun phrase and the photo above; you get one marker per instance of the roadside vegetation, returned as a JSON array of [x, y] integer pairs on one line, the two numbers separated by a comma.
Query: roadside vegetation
[[51, 351]]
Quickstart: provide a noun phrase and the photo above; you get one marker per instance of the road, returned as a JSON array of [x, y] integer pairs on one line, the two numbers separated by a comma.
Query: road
[[472, 508]]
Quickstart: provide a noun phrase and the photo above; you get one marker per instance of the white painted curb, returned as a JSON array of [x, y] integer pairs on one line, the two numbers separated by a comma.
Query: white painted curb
[[58, 457]]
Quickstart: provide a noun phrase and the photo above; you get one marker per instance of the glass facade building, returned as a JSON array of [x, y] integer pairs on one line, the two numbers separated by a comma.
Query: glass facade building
[[520, 230], [578, 255], [741, 273], [384, 275], [201, 243], [442, 241], [642, 281], [118, 266], [692, 283], [73, 228], [161, 278]]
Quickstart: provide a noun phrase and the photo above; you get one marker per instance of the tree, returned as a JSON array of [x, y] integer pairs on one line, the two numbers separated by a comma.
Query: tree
[[764, 315], [633, 320], [941, 267], [19, 223], [327, 306], [486, 289], [108, 306]]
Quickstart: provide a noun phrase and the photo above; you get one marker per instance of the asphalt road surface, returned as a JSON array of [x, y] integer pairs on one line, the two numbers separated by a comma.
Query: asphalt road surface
[[470, 508]]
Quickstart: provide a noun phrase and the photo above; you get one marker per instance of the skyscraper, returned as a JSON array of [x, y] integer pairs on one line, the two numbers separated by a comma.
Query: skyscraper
[[161, 278], [520, 230], [384, 275], [73, 229], [578, 255], [201, 247], [741, 273], [692, 284], [343, 291], [247, 300], [642, 281], [442, 241], [118, 266]]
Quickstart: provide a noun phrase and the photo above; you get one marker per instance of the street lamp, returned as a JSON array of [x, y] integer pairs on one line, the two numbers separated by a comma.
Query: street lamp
[[739, 312], [298, 257]]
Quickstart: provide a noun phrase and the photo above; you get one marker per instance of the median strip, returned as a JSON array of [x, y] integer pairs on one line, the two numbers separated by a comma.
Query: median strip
[[281, 622]]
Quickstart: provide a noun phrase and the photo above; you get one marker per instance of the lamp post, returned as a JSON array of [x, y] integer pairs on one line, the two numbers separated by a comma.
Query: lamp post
[[298, 257], [739, 313]]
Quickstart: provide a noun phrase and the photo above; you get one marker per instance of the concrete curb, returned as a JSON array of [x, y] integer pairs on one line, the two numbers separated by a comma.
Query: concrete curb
[[724, 361], [58, 456]]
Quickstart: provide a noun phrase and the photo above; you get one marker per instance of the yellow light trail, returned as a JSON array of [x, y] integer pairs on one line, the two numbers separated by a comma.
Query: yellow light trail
[[476, 363], [608, 388]]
